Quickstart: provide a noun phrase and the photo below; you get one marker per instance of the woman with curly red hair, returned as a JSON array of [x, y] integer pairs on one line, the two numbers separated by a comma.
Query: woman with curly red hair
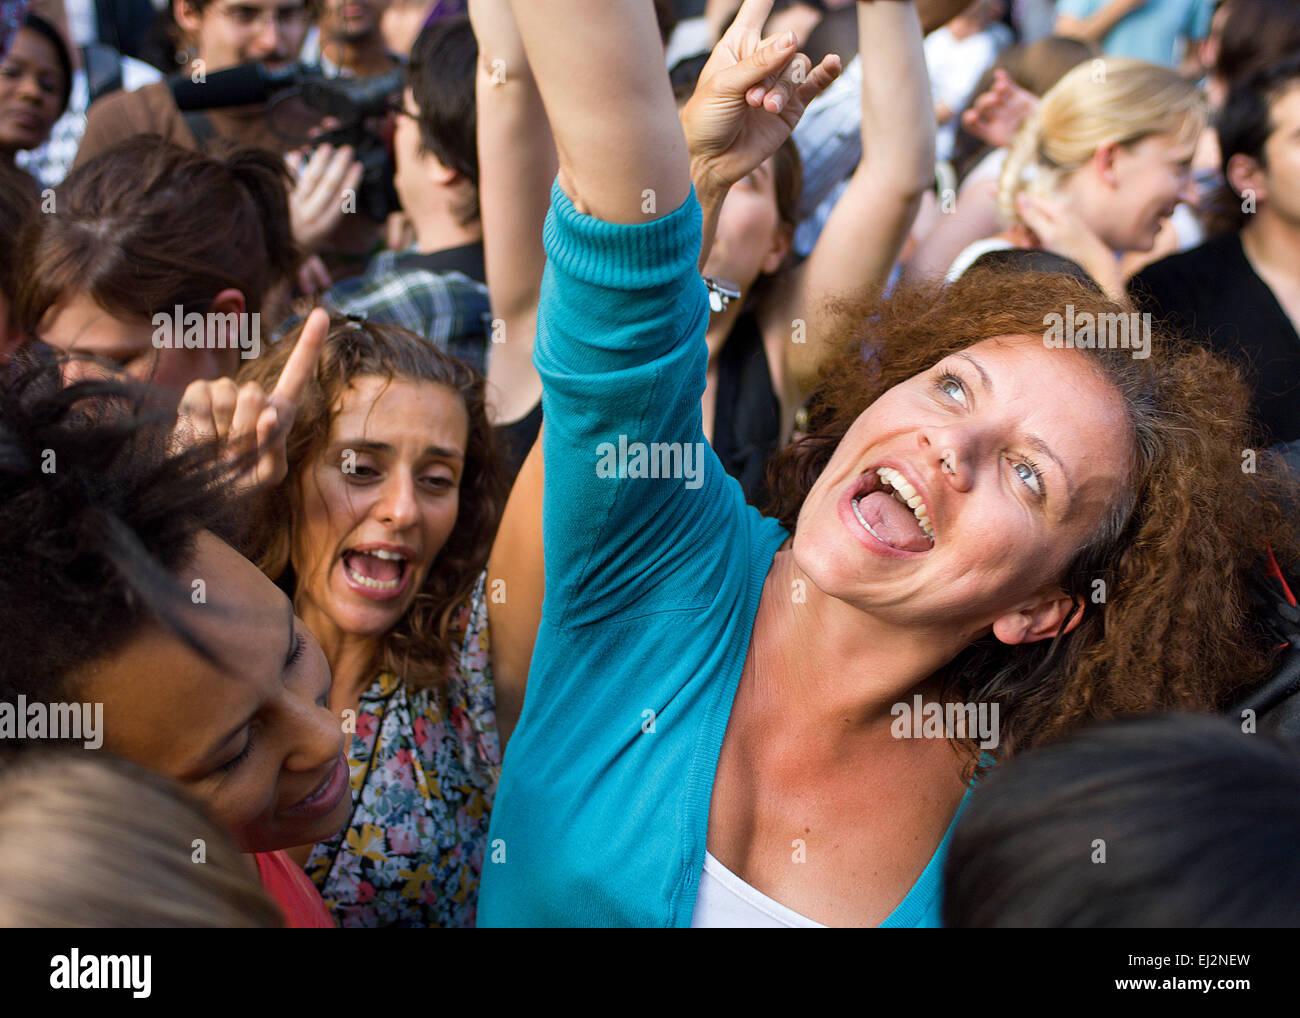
[[709, 735]]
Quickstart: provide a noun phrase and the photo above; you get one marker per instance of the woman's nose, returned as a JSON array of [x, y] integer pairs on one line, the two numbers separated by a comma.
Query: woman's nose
[[397, 506]]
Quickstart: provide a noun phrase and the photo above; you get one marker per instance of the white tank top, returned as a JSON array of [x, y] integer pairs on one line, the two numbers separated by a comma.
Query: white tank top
[[725, 900]]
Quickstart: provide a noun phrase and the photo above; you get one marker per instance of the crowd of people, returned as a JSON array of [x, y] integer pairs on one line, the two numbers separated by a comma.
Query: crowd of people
[[643, 463]]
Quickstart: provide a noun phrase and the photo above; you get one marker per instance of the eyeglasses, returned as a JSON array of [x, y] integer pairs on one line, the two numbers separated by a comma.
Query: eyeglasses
[[246, 16]]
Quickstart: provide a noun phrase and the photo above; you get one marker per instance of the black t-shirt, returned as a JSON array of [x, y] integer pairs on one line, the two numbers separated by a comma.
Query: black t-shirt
[[1212, 295]]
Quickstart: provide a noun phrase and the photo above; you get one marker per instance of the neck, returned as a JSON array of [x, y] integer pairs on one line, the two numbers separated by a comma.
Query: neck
[[367, 57], [351, 657], [963, 28], [437, 229], [835, 668], [1272, 245]]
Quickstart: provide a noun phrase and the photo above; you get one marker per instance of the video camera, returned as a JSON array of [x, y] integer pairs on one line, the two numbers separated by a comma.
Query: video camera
[[351, 101]]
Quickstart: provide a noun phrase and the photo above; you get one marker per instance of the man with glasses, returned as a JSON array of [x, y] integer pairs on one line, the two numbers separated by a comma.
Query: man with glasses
[[222, 34]]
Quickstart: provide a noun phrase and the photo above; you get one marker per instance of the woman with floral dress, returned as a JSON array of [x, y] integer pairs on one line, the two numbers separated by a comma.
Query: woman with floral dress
[[380, 531]]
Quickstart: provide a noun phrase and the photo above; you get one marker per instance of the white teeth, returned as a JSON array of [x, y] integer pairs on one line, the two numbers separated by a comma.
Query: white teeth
[[905, 493], [366, 581], [373, 584]]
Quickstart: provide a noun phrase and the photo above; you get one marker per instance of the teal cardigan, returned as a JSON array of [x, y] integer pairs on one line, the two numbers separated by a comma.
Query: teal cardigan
[[652, 585]]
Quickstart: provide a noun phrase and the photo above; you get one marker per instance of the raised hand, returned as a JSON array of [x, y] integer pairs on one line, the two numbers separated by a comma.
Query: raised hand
[[995, 115], [244, 418], [750, 95], [1060, 230], [320, 186]]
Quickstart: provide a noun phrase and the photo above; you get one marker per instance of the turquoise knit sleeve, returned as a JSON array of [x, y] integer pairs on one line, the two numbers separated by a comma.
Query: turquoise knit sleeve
[[633, 492]]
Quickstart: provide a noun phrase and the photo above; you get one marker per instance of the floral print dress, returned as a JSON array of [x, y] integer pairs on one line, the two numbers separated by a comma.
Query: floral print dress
[[424, 774]]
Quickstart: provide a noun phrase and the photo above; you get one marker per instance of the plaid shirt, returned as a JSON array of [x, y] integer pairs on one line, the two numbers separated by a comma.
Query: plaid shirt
[[447, 308]]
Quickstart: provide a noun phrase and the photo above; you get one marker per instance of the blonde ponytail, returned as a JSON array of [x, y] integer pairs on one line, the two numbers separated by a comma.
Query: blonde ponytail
[[1104, 101]]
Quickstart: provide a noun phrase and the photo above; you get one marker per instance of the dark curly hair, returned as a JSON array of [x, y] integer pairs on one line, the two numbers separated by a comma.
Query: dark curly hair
[[1174, 630], [418, 648], [97, 517]]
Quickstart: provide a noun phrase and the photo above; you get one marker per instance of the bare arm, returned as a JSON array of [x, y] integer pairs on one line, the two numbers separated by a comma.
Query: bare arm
[[937, 13], [865, 232], [630, 168], [1096, 27], [517, 163], [517, 559]]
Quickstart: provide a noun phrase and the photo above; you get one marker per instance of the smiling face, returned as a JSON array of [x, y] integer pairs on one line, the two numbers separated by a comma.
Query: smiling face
[[1142, 185], [251, 738], [31, 91], [376, 506], [1015, 454]]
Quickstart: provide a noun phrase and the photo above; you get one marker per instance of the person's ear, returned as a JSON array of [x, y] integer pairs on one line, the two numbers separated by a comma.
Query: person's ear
[[228, 302], [1103, 163], [1247, 178], [1040, 621], [781, 244], [435, 171], [188, 17]]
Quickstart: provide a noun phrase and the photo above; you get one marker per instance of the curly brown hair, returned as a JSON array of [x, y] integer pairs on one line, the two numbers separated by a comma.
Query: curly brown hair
[[418, 648], [1174, 628]]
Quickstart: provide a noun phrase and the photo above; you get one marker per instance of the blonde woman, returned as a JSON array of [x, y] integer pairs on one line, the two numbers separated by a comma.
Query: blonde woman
[[96, 842], [1098, 168]]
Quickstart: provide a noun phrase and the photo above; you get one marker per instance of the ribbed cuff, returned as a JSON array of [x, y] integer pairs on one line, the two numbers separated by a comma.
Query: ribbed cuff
[[623, 256]]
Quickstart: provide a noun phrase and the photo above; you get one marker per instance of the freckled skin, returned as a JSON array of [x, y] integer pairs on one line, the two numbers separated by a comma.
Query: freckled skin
[[996, 545]]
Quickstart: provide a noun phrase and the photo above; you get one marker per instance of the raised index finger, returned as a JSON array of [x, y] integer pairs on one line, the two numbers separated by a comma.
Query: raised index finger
[[302, 361], [752, 15]]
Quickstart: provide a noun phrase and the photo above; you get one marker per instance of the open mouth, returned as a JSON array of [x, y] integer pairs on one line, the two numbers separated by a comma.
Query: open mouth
[[376, 569], [892, 512]]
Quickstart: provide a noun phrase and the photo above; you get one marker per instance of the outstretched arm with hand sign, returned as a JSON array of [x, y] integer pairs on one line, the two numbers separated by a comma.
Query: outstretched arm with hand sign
[[243, 418], [750, 95]]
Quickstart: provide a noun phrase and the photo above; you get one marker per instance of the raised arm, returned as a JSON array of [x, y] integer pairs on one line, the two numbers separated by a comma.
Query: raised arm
[[1095, 27], [865, 232], [517, 163], [630, 168]]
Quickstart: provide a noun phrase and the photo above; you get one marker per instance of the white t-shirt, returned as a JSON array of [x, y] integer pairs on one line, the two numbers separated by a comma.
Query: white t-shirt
[[955, 66], [726, 901], [971, 252]]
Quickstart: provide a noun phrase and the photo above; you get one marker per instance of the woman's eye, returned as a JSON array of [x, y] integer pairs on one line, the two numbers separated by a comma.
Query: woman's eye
[[232, 764], [362, 471], [951, 386], [1030, 475], [439, 481]]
